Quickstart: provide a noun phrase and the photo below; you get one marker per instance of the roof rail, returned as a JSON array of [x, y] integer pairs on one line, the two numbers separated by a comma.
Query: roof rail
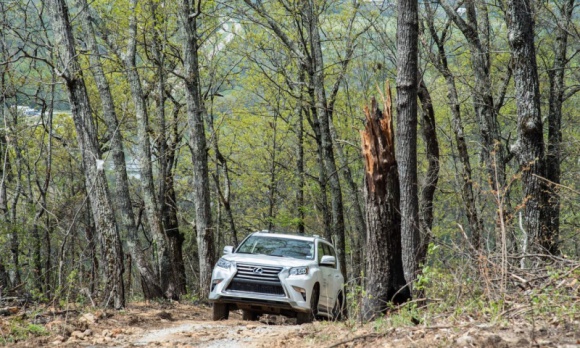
[[284, 232]]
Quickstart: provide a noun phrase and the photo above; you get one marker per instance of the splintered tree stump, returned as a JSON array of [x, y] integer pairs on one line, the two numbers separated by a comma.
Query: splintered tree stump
[[385, 280]]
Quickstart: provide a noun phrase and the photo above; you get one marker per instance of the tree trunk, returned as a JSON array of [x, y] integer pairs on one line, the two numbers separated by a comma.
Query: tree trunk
[[529, 148], [358, 218], [14, 271], [195, 115], [143, 150], [483, 104], [170, 214], [7, 140], [224, 195], [12, 218], [299, 111], [4, 176], [167, 148], [407, 72], [151, 288], [96, 182], [357, 237], [272, 186], [337, 207], [37, 253], [385, 280], [4, 281], [493, 150], [4, 173], [441, 63], [314, 121], [432, 176], [42, 205], [556, 99], [47, 261], [175, 237]]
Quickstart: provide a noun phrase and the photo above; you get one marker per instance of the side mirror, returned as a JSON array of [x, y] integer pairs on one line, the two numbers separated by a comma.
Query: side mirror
[[228, 249], [328, 260]]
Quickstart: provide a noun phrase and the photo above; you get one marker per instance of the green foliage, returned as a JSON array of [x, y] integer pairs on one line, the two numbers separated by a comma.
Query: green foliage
[[354, 302], [556, 298], [552, 300], [19, 330], [190, 298]]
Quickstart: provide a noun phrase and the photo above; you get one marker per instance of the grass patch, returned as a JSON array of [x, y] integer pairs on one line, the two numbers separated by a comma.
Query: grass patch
[[18, 330]]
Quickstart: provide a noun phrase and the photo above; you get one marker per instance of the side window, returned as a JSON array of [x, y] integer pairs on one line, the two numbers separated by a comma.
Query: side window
[[320, 251], [324, 249], [328, 250]]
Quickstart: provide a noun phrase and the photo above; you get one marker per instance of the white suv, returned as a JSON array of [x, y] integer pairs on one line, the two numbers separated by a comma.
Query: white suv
[[273, 273]]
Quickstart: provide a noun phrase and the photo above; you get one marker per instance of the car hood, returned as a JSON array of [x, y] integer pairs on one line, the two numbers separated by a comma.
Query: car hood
[[266, 260]]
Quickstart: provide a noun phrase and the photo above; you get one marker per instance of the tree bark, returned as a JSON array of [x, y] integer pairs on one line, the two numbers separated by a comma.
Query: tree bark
[[11, 208], [432, 176], [8, 140], [166, 146], [272, 186], [556, 99], [4, 279], [165, 268], [299, 111], [150, 282], [195, 114], [96, 182], [314, 122], [385, 280], [407, 72], [357, 237], [493, 150], [224, 195], [170, 216], [441, 63], [321, 104], [529, 148]]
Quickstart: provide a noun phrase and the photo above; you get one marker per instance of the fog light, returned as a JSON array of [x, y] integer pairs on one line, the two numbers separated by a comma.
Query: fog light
[[301, 291], [214, 283]]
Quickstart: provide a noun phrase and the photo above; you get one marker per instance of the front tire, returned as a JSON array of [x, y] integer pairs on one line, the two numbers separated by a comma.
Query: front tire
[[220, 311], [338, 309]]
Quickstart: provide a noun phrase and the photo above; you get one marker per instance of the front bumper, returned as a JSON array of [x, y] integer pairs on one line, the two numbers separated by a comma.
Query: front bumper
[[295, 296]]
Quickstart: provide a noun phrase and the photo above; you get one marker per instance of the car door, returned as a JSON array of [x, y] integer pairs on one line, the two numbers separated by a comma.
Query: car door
[[328, 279], [324, 278], [335, 278]]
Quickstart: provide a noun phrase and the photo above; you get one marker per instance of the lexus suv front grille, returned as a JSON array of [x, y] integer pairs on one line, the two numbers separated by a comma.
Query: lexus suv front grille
[[256, 278]]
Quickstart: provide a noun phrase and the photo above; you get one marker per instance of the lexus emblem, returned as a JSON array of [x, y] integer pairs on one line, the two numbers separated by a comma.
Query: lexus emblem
[[257, 270]]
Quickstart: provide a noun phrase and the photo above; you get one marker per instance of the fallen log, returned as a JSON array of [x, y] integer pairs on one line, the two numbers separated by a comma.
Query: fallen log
[[7, 311]]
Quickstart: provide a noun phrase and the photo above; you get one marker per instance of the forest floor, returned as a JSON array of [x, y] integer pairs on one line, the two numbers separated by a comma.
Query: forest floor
[[186, 325]]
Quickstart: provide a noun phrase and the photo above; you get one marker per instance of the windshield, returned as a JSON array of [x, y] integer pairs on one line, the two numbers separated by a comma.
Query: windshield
[[277, 246]]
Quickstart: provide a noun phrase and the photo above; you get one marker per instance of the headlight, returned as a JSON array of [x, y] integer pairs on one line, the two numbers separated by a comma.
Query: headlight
[[299, 271], [223, 263]]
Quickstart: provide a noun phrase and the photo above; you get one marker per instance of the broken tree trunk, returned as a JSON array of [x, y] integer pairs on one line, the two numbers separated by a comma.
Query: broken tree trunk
[[385, 280]]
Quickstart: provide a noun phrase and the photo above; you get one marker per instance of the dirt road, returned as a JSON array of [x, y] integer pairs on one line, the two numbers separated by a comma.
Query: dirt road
[[216, 335], [183, 325], [171, 325]]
